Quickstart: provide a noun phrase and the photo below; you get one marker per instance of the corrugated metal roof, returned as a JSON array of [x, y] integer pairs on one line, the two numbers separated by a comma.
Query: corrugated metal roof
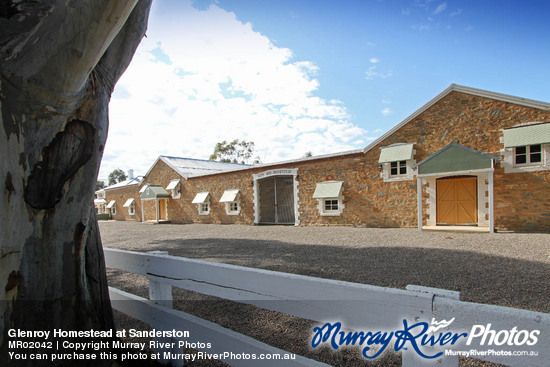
[[396, 152], [200, 198], [128, 182], [527, 135], [329, 189], [229, 196], [188, 167]]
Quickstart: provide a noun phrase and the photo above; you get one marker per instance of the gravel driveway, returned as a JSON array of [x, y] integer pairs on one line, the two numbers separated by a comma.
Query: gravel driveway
[[507, 269]]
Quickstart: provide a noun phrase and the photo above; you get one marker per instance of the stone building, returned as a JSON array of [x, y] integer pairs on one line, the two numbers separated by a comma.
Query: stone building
[[467, 159], [121, 201]]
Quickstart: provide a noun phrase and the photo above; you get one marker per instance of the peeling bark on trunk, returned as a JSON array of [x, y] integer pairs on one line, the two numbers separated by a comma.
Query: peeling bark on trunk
[[59, 61]]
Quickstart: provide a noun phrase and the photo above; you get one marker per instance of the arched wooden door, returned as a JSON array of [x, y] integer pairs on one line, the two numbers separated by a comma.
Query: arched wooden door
[[457, 200]]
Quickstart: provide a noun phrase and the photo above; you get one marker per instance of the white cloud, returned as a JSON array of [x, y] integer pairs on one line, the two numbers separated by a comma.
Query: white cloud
[[203, 76], [440, 8], [386, 111], [455, 13], [371, 73], [374, 60]]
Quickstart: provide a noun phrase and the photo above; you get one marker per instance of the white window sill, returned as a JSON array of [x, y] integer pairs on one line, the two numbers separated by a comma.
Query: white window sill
[[330, 214], [525, 168]]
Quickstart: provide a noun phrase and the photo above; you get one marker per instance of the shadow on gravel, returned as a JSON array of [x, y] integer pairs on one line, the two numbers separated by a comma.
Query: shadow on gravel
[[480, 278]]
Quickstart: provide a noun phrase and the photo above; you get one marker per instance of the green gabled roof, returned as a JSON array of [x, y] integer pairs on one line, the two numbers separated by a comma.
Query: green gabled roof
[[455, 158], [527, 135], [154, 192]]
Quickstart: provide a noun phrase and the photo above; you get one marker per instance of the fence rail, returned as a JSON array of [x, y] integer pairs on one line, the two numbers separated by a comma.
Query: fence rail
[[356, 306]]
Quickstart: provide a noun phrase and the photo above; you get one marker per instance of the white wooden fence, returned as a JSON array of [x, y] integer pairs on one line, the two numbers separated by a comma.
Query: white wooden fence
[[356, 306]]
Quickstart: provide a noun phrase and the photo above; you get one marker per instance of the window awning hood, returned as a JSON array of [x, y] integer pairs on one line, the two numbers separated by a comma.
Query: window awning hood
[[396, 152], [527, 135], [201, 198], [329, 189], [172, 185], [229, 196]]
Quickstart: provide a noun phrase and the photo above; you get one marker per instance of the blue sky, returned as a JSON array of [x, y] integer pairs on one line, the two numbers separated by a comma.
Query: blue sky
[[320, 76]]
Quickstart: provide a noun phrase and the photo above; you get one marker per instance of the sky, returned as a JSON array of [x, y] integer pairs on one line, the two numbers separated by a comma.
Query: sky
[[298, 76]]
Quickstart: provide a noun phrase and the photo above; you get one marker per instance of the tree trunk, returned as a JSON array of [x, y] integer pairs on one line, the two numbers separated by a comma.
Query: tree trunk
[[59, 62]]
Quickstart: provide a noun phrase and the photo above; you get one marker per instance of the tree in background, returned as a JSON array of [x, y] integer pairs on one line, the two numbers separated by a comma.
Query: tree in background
[[99, 185], [235, 152], [116, 176], [308, 154], [59, 62]]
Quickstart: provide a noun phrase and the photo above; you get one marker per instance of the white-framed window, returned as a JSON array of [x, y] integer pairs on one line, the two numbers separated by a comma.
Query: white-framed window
[[231, 198], [111, 207], [526, 147], [526, 158], [202, 199], [233, 207], [330, 198], [204, 208], [175, 188], [131, 205], [528, 155], [331, 205], [397, 161], [398, 168]]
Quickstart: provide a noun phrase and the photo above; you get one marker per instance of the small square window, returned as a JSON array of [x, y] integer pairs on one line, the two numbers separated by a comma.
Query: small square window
[[132, 209], [331, 205], [234, 207], [398, 168], [113, 210], [530, 154], [205, 207]]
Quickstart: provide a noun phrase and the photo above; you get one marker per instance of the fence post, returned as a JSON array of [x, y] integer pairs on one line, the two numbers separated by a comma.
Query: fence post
[[409, 357], [161, 294]]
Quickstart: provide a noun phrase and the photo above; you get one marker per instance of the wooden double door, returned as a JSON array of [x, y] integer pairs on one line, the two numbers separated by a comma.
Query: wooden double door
[[277, 200], [457, 200]]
